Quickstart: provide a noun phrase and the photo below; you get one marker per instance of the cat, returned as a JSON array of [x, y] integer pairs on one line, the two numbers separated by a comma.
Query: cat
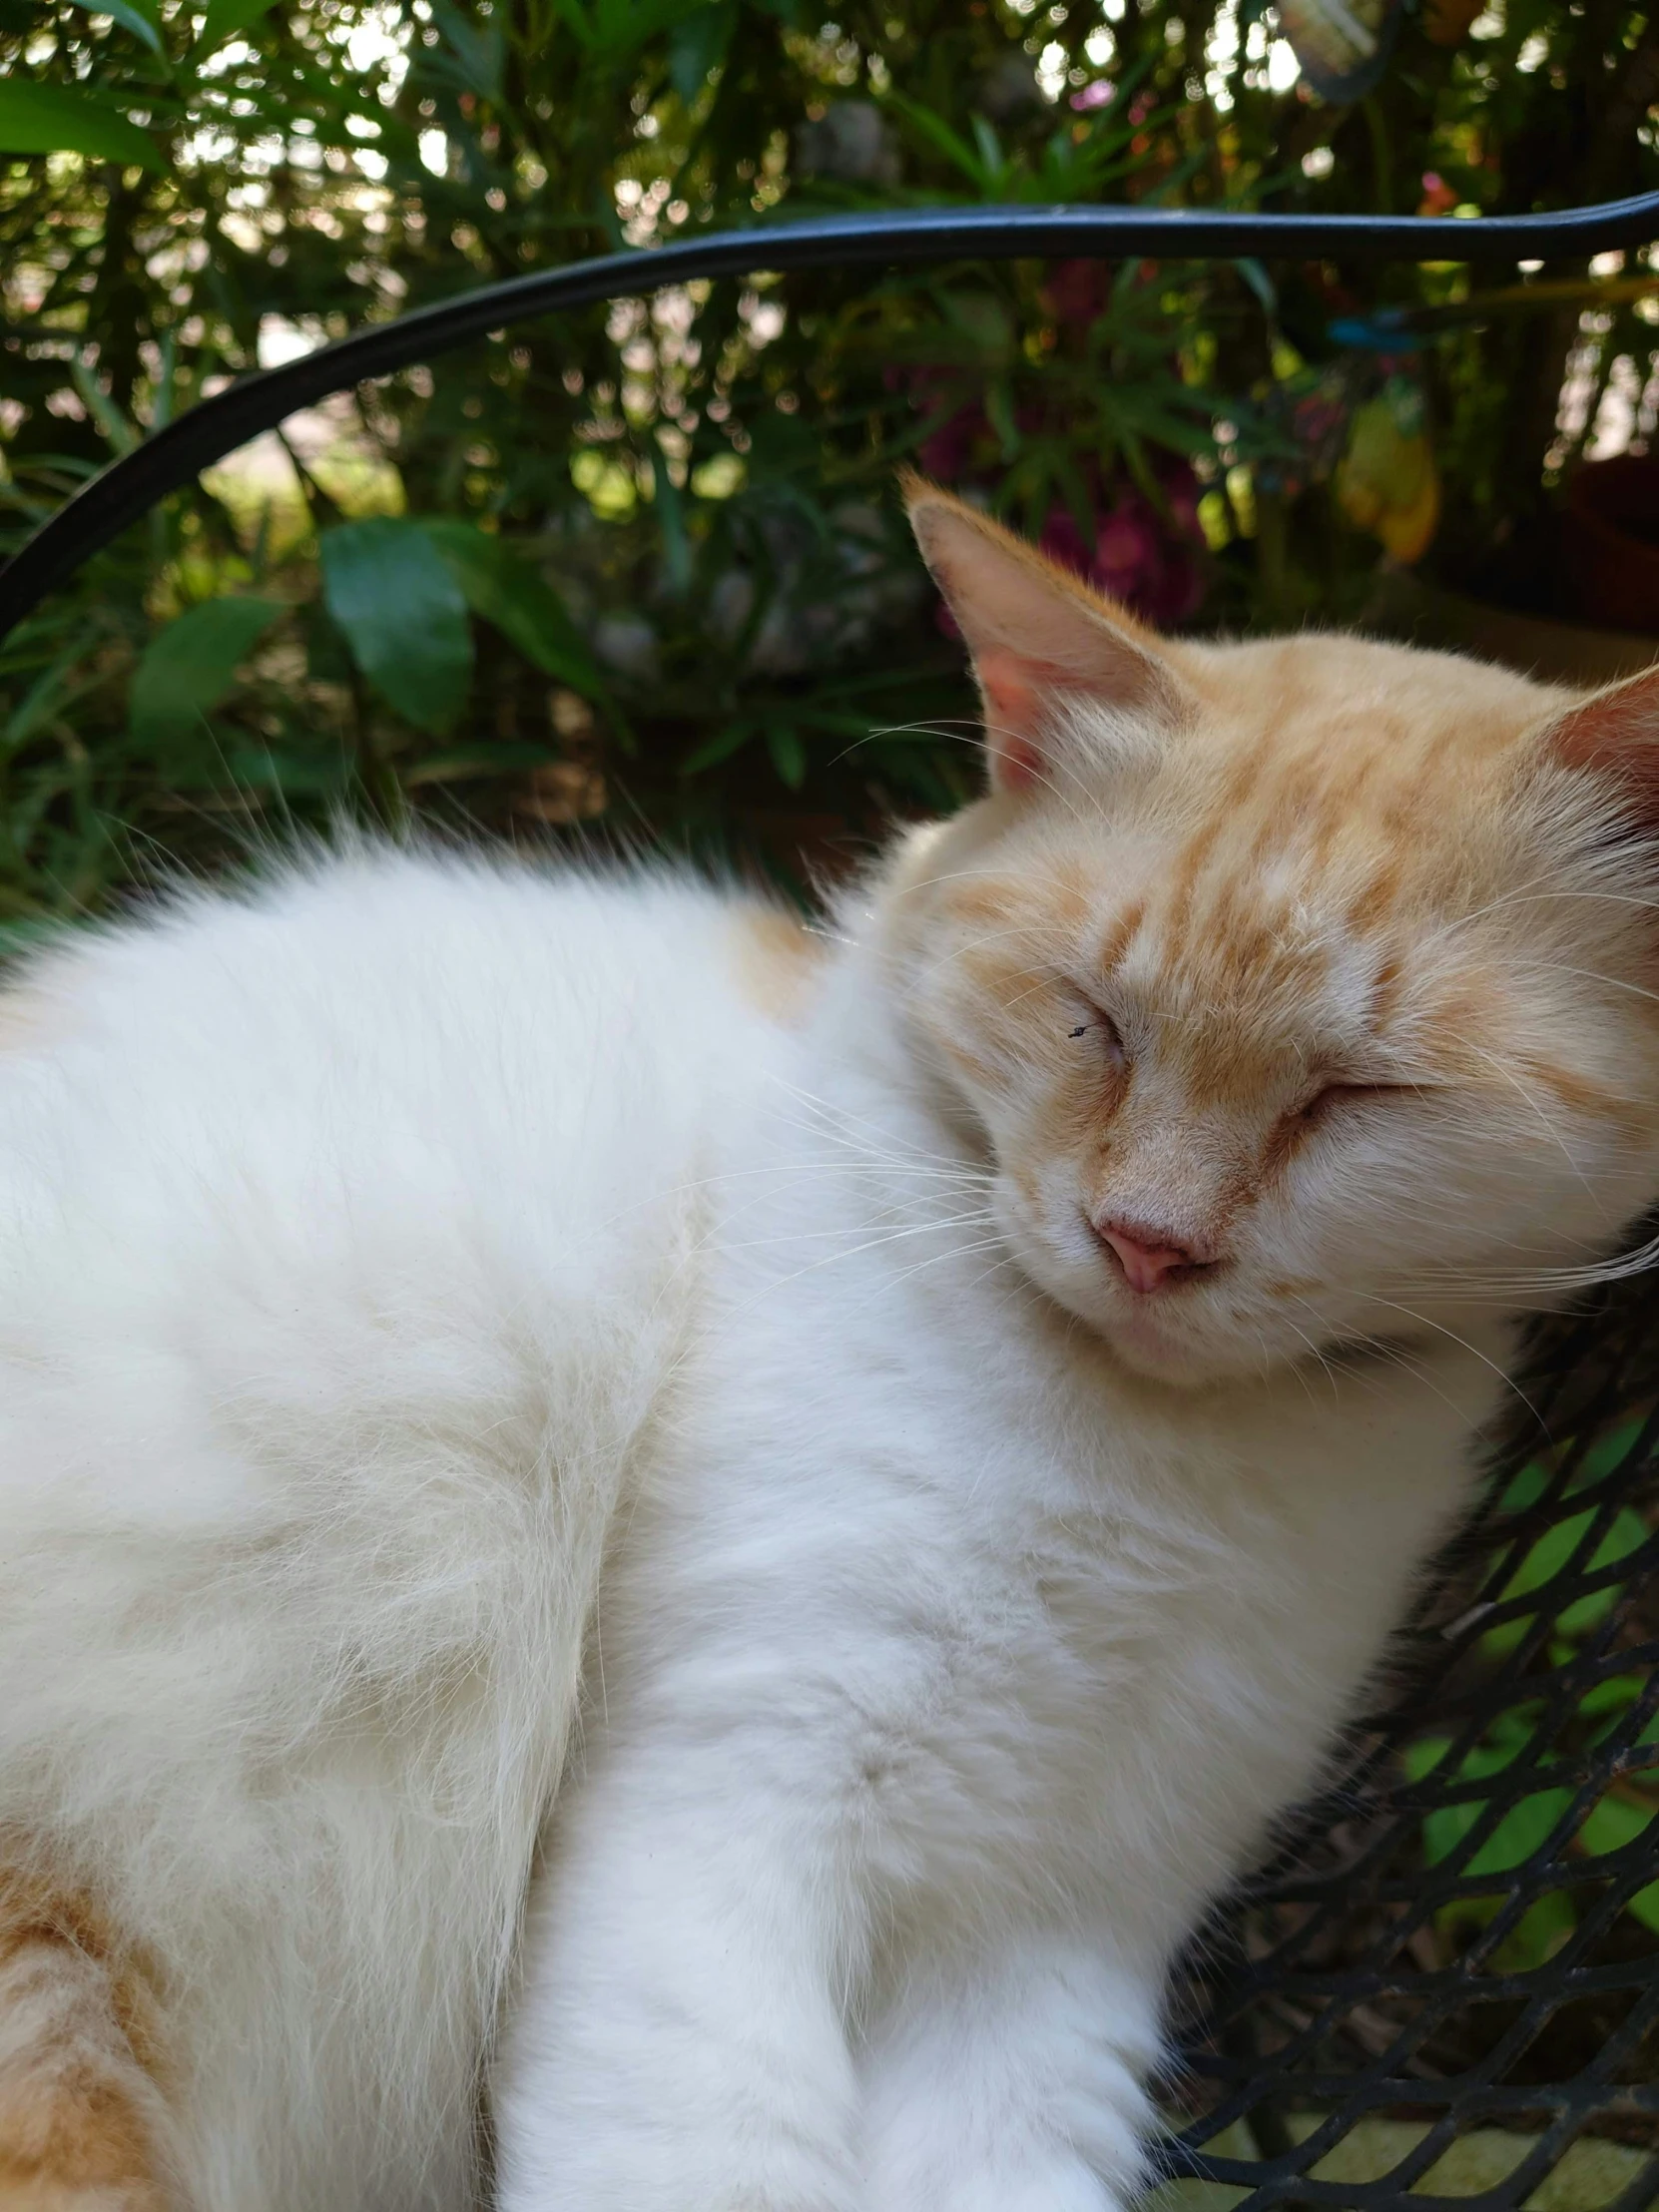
[[652, 1560]]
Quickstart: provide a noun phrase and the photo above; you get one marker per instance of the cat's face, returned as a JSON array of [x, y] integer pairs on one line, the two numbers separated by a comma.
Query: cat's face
[[1300, 990]]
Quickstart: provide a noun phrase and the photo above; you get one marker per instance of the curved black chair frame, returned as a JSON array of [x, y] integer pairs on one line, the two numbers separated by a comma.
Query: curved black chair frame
[[1321, 2002]]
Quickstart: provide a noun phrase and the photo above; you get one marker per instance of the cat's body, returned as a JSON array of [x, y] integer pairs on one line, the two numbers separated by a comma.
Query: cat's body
[[304, 1613], [838, 1407]]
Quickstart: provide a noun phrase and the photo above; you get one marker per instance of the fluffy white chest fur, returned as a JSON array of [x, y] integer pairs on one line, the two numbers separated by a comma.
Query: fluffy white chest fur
[[452, 1334]]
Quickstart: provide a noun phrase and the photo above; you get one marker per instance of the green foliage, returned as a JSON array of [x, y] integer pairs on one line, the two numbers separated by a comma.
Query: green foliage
[[1524, 1733], [45, 119], [187, 669], [402, 612], [657, 542]]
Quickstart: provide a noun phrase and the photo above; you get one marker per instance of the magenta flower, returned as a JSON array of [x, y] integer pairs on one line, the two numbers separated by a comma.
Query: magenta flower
[[1146, 559], [1075, 291]]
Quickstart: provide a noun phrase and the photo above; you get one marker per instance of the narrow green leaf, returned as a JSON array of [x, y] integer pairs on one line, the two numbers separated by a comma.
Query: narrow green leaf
[[479, 49], [51, 691], [225, 20], [49, 119], [624, 26], [789, 754], [188, 668], [695, 48], [507, 591], [990, 149], [940, 136], [101, 408], [575, 18], [138, 20], [721, 747], [404, 615], [670, 514]]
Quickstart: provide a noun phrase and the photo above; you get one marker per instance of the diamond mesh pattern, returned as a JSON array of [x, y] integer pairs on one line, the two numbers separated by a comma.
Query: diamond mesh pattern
[[1460, 1947]]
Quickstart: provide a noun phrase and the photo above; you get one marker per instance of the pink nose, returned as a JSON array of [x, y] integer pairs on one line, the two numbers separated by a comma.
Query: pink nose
[[1144, 1255]]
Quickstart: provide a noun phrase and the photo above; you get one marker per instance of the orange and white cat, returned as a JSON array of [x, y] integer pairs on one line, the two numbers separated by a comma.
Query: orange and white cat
[[708, 1543]]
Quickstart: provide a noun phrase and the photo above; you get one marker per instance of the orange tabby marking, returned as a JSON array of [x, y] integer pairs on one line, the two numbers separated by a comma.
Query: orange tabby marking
[[777, 961], [81, 2114], [24, 1017]]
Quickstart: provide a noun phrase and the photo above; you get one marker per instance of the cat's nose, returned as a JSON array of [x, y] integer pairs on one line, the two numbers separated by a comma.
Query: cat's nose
[[1146, 1255]]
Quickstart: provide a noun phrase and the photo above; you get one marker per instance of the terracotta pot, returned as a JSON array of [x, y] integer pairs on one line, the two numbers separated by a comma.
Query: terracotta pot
[[1610, 542]]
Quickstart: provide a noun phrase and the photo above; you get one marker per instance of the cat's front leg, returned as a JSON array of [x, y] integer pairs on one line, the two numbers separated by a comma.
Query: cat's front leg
[[1012, 2086], [677, 2043]]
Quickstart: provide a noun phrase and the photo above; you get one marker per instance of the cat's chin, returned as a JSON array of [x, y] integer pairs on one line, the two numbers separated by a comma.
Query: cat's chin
[[1150, 1346]]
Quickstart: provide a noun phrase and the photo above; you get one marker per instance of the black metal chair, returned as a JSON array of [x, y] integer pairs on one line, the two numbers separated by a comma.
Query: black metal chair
[[1448, 1983]]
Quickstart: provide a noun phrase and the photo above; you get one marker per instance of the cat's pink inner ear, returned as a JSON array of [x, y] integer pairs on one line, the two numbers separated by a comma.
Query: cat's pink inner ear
[[1618, 732], [1014, 713], [1035, 634]]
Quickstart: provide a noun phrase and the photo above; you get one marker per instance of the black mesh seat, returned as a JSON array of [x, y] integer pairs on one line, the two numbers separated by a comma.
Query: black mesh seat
[[1449, 1984], [1444, 1991]]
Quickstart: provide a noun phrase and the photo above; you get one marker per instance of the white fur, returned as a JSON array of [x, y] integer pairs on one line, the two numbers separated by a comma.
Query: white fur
[[380, 1250]]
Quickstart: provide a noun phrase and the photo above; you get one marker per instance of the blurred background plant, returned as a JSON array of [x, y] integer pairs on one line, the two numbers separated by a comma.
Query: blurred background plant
[[639, 570]]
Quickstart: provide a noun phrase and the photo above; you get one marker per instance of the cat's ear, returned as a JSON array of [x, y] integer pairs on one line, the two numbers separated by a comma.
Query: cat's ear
[[1039, 638], [1617, 731]]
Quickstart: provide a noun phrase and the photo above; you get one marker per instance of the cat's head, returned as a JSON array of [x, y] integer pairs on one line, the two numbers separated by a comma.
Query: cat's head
[[1300, 991]]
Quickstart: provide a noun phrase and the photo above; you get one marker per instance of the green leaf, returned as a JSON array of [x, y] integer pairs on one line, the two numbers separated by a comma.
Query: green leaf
[[940, 136], [293, 771], [789, 754], [480, 51], [138, 20], [225, 20], [404, 615], [1614, 1694], [670, 514], [507, 591], [721, 747], [1539, 1935], [990, 149], [1520, 1834], [575, 19], [1424, 1756], [189, 666], [697, 46], [47, 696], [622, 27], [1612, 1824], [47, 119], [1550, 1556]]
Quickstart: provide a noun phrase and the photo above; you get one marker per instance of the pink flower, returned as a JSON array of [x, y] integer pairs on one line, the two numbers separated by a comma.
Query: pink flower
[[1062, 541], [1098, 95], [1145, 558], [1075, 291], [945, 454], [1128, 558]]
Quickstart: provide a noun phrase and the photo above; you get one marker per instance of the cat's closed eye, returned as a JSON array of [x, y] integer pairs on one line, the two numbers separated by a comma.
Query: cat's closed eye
[[1101, 1026], [1333, 1096]]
